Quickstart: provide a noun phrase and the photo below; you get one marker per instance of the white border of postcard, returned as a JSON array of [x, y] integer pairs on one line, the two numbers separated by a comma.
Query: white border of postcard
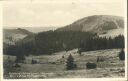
[[67, 79]]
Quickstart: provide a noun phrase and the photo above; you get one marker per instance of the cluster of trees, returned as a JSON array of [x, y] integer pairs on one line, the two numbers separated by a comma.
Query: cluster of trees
[[49, 42], [54, 41], [98, 43]]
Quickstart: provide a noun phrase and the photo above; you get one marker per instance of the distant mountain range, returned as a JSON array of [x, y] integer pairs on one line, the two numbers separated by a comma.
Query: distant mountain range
[[39, 29], [104, 25]]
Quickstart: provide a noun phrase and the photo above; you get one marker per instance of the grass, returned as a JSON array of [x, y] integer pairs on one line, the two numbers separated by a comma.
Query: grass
[[54, 66]]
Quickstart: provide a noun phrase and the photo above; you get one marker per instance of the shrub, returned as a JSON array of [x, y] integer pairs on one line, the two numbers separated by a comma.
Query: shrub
[[122, 55], [100, 59], [33, 62], [90, 65], [20, 59], [70, 63], [62, 56], [17, 65], [53, 62]]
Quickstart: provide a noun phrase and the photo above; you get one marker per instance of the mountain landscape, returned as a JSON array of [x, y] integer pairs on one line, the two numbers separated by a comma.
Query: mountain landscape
[[69, 37], [91, 47], [100, 24], [104, 25]]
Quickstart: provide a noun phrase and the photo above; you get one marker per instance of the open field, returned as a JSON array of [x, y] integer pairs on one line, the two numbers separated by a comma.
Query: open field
[[54, 66]]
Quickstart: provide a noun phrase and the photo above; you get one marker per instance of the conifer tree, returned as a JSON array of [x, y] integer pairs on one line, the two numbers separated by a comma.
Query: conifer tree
[[122, 55], [70, 63]]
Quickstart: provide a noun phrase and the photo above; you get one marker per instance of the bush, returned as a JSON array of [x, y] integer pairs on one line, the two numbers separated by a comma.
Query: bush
[[33, 62], [20, 59], [62, 56], [70, 63], [100, 59], [17, 65], [91, 65], [122, 55]]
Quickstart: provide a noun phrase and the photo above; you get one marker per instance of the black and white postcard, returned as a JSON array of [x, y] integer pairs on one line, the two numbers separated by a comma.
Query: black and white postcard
[[64, 40]]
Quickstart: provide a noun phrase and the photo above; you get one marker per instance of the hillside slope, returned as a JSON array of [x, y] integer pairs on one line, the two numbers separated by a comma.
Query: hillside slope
[[96, 23], [10, 36]]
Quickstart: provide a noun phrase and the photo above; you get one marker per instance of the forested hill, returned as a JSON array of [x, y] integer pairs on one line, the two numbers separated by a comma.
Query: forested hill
[[67, 38], [52, 41]]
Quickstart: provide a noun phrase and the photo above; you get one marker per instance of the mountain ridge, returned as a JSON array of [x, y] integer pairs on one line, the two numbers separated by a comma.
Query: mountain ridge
[[95, 23]]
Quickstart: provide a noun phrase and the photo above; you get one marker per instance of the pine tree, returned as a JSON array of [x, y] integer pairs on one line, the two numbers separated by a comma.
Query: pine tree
[[70, 63], [122, 55]]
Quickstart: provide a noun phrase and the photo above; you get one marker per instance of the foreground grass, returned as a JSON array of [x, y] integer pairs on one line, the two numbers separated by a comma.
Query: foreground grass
[[53, 66]]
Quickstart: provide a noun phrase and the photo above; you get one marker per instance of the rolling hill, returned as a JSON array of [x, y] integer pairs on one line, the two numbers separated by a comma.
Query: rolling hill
[[10, 36], [100, 24]]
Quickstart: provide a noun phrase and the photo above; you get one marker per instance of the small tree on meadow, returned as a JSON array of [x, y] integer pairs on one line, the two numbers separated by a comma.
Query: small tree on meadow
[[122, 55], [70, 63]]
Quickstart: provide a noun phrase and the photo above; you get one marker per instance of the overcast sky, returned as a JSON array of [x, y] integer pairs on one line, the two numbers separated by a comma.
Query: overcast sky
[[58, 14]]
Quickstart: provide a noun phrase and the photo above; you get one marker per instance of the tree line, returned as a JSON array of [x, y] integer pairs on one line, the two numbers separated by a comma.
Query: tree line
[[54, 41], [98, 43]]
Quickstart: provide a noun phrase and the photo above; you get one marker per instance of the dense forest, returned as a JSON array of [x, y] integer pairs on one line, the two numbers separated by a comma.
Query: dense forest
[[98, 43], [54, 41]]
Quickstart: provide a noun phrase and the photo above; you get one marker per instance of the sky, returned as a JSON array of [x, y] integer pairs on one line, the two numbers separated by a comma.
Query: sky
[[56, 14]]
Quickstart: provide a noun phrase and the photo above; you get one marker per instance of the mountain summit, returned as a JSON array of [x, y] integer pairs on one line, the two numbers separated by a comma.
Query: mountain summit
[[95, 23]]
